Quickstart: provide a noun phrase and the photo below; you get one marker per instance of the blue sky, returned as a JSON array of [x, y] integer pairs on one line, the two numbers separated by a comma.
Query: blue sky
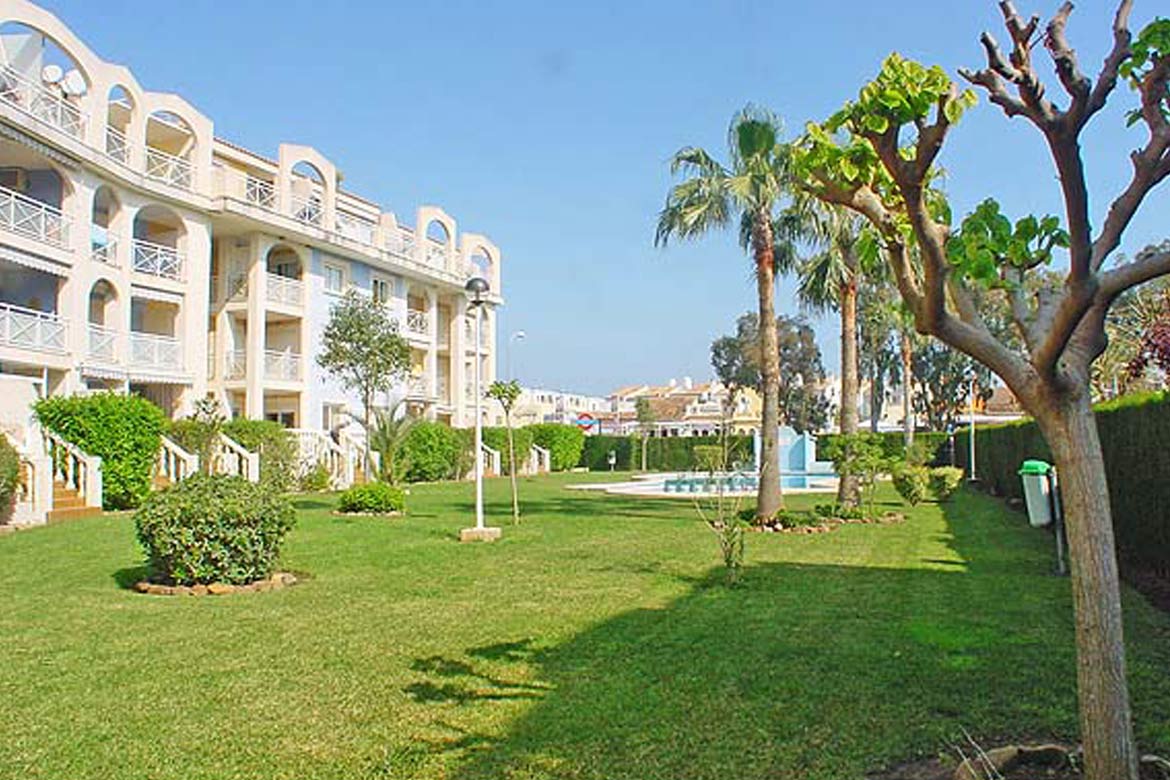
[[548, 127]]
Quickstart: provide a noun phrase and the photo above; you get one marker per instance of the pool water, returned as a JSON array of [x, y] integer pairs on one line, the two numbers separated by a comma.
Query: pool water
[[744, 483]]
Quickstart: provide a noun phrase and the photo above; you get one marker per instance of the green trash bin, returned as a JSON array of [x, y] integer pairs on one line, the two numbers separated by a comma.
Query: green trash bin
[[1038, 479]]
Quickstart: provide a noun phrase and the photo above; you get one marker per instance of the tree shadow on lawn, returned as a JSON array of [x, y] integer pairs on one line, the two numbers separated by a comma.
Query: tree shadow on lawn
[[807, 671]]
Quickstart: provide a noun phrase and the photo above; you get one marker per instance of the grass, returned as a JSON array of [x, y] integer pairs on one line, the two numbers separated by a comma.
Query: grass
[[594, 641]]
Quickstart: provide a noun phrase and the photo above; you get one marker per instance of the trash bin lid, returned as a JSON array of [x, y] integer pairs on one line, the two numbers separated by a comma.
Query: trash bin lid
[[1037, 467]]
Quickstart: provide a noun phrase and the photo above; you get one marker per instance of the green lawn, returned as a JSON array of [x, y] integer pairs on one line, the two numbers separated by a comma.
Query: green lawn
[[594, 641]]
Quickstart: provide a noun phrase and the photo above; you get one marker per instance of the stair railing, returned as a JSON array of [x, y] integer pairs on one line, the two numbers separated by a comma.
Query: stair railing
[[73, 467], [174, 462]]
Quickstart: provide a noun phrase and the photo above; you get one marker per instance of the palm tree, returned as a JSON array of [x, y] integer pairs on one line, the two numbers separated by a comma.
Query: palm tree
[[828, 282], [710, 198]]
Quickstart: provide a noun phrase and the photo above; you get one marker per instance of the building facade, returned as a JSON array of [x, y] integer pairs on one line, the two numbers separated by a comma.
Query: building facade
[[538, 405], [140, 252], [683, 408]]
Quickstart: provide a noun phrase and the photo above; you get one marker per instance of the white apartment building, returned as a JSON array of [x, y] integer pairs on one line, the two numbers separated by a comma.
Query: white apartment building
[[140, 252], [538, 405]]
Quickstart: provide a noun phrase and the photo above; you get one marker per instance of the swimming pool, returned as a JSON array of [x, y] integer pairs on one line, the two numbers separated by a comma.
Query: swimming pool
[[699, 485]]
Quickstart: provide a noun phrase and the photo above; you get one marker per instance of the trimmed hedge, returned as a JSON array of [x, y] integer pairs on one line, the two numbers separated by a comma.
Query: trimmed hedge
[[123, 430], [436, 451], [564, 443], [662, 453], [9, 472], [1134, 433], [379, 498], [217, 528], [893, 445], [497, 439], [276, 446]]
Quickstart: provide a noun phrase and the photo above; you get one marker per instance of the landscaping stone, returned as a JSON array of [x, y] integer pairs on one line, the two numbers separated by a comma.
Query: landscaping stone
[[1003, 759], [199, 590], [220, 589], [480, 534], [275, 582]]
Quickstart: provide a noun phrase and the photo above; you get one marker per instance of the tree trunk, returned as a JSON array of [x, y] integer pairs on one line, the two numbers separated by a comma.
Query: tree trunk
[[907, 375], [1106, 727], [849, 489], [875, 405], [512, 470], [367, 402], [645, 444], [769, 500]]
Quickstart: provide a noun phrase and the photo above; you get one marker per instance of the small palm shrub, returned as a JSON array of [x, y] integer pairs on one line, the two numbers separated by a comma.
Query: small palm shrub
[[213, 528], [912, 483], [945, 481], [375, 498]]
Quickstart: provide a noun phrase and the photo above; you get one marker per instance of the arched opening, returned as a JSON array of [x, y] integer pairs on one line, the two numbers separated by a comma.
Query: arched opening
[[284, 261], [32, 195], [438, 244], [170, 146], [39, 77], [308, 193], [103, 300], [159, 238], [102, 238], [284, 274], [481, 265], [119, 114]]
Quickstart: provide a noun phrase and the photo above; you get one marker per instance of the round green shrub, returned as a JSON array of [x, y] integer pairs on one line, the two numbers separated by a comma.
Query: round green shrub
[[378, 498], [275, 445], [434, 452], [9, 472], [316, 479], [123, 430], [564, 443], [213, 529], [912, 483], [497, 439], [945, 481]]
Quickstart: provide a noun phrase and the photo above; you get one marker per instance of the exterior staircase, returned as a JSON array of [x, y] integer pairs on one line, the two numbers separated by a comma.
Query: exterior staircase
[[68, 504]]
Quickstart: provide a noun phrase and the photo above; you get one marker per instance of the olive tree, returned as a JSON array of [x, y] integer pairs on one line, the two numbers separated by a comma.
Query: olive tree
[[878, 156]]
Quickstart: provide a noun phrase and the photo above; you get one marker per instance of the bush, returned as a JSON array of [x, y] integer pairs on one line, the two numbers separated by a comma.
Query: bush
[[497, 439], [708, 457], [123, 430], [911, 482], [213, 529], [1133, 431], [595, 453], [671, 453], [930, 448], [9, 472], [377, 498], [275, 445], [565, 443], [435, 451], [945, 482], [839, 511], [316, 480]]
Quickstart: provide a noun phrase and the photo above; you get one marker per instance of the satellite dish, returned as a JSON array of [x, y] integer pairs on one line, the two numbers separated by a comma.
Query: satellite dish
[[51, 74], [73, 83]]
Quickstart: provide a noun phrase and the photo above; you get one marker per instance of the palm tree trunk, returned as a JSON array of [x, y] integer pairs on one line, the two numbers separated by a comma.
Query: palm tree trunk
[[770, 499], [849, 489], [907, 375]]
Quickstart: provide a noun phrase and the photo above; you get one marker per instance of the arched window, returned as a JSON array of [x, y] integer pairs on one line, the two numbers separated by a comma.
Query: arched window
[[308, 193], [159, 239], [284, 261], [437, 243], [103, 239], [119, 114]]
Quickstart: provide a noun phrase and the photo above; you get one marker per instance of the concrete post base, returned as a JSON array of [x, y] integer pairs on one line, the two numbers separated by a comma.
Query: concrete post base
[[480, 534]]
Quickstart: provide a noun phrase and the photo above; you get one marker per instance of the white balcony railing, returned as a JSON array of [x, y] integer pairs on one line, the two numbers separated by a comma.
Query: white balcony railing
[[400, 243], [148, 350], [20, 327], [259, 192], [117, 147], [284, 290], [235, 364], [158, 260], [358, 229], [416, 386], [282, 366], [168, 168], [104, 250], [102, 343], [33, 219], [417, 322], [436, 255], [308, 210], [46, 104]]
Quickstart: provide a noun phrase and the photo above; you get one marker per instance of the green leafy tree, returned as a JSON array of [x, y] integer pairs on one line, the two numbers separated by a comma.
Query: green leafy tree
[[362, 349], [877, 156], [644, 413], [749, 190], [506, 394]]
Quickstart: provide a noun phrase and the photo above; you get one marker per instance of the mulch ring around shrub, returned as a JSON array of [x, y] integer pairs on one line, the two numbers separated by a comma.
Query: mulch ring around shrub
[[278, 581], [338, 513], [1013, 762], [825, 525]]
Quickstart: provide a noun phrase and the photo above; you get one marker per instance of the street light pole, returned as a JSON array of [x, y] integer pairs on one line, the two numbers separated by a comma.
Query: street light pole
[[516, 336], [476, 287]]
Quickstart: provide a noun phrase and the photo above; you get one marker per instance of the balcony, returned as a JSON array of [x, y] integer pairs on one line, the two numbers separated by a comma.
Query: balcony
[[416, 386], [308, 210], [102, 343], [117, 146], [235, 364], [158, 260], [283, 366], [44, 105], [400, 243], [355, 228], [168, 168], [436, 255], [30, 329], [104, 250], [284, 290], [260, 193], [418, 323], [148, 350], [32, 219]]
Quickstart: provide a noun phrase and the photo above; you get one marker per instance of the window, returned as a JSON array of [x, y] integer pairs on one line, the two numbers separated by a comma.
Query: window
[[287, 419], [334, 279], [381, 289]]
